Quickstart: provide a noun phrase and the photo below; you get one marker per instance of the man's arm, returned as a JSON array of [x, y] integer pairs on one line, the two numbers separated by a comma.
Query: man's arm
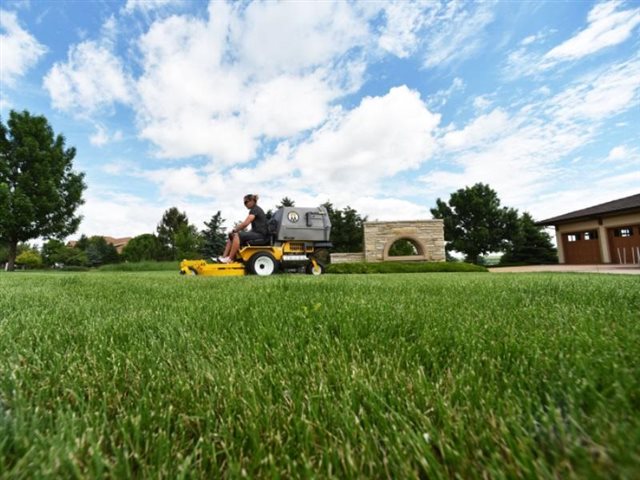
[[241, 226]]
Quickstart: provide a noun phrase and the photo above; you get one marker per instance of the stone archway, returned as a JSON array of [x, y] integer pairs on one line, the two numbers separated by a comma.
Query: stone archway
[[421, 249], [426, 235]]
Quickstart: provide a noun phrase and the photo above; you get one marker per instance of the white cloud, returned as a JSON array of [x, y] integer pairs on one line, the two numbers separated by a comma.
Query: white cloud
[[571, 198], [618, 153], [119, 167], [19, 49], [108, 212], [482, 129], [384, 209], [265, 32], [91, 80], [101, 137], [482, 102], [5, 104], [178, 182], [351, 153], [441, 97], [287, 105], [381, 137], [147, 5], [218, 87], [118, 215], [608, 26], [600, 95], [520, 153], [454, 32], [400, 34]]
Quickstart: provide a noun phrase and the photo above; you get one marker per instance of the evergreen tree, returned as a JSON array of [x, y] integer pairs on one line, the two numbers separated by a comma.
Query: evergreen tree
[[39, 191], [98, 250], [530, 244], [213, 237], [286, 202], [475, 223]]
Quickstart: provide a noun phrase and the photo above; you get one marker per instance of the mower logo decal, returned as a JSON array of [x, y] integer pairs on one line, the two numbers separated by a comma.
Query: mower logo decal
[[293, 217]]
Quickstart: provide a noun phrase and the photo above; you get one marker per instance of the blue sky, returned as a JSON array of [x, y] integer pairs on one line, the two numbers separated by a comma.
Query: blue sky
[[383, 106]]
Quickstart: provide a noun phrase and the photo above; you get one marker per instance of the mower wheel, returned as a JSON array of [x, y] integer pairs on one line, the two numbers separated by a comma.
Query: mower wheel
[[263, 264], [315, 270]]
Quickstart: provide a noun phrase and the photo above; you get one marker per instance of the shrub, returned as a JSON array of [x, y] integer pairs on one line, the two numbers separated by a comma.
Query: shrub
[[74, 268], [143, 247], [403, 267], [141, 267], [29, 259]]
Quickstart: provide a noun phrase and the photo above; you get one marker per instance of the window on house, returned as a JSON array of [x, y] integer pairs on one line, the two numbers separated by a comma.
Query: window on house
[[573, 237], [623, 232], [591, 235]]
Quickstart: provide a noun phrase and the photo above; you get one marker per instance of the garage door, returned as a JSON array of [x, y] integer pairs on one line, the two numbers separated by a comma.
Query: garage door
[[581, 247], [624, 243]]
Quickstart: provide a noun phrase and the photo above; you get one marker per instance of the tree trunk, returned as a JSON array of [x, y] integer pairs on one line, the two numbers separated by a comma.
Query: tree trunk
[[473, 257], [13, 251]]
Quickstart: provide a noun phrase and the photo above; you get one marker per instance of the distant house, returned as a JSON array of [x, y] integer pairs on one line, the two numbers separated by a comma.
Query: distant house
[[605, 233], [119, 243]]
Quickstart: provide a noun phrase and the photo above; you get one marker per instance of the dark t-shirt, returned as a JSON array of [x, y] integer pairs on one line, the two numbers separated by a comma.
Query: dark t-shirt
[[259, 223]]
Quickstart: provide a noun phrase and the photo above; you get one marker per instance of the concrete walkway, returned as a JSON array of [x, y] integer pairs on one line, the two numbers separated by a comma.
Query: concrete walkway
[[602, 268]]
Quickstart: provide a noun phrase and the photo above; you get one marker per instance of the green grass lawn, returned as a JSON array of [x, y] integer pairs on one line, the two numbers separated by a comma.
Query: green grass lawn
[[439, 375]]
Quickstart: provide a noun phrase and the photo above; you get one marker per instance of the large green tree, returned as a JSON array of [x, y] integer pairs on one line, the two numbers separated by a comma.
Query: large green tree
[[475, 223], [39, 191], [530, 244]]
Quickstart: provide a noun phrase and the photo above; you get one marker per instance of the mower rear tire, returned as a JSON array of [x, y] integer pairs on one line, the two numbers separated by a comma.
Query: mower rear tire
[[263, 264]]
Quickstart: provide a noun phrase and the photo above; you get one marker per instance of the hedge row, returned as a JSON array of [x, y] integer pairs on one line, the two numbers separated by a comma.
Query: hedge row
[[147, 266], [404, 267]]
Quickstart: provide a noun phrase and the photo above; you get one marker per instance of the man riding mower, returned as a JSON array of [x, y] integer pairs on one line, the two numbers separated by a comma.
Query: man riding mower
[[297, 239]]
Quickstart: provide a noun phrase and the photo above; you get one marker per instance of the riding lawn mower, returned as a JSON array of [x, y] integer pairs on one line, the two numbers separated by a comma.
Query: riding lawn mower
[[298, 240]]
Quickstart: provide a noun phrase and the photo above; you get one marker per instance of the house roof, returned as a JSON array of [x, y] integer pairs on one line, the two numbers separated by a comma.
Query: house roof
[[622, 205], [119, 243]]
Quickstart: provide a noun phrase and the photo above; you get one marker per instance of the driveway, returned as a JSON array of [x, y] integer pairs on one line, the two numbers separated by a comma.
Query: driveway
[[602, 268]]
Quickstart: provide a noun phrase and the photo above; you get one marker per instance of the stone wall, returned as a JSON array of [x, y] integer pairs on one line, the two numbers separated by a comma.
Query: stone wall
[[347, 257], [426, 235]]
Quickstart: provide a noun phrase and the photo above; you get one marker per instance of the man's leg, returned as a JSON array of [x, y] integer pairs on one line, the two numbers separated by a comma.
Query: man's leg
[[235, 246], [227, 247]]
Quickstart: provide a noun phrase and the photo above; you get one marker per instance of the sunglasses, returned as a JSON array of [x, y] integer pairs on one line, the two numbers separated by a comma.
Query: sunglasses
[[247, 201]]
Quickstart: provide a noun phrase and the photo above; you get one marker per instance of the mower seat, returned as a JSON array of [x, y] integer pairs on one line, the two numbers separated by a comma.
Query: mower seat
[[265, 242]]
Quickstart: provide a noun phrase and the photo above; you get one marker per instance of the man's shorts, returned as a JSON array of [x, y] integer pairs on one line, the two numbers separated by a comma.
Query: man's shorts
[[250, 236]]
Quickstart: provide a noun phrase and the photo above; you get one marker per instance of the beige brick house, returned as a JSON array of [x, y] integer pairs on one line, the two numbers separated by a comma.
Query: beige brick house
[[604, 233]]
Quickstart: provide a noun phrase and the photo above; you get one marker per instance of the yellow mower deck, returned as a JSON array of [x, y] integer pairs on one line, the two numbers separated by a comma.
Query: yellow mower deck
[[237, 268], [201, 267]]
